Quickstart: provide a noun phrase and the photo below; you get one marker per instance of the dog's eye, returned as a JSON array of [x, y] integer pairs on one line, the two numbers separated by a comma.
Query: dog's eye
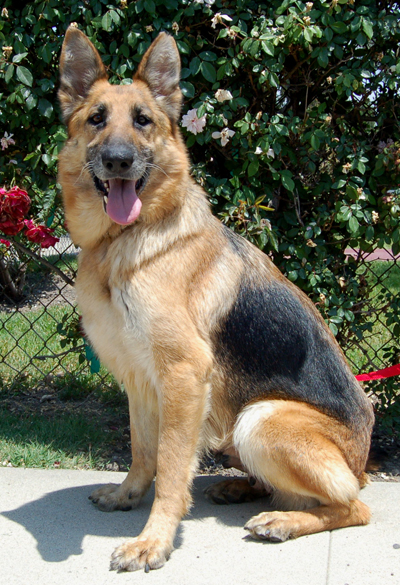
[[142, 120], [96, 119]]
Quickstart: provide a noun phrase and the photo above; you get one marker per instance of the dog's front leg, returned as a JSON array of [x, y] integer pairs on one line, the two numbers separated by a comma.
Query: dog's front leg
[[144, 423], [183, 403]]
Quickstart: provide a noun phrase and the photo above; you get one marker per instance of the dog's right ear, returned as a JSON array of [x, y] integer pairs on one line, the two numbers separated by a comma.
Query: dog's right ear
[[80, 67]]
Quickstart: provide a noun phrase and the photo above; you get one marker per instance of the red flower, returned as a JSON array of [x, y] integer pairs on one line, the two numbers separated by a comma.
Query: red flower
[[11, 227], [40, 234], [5, 242], [15, 203]]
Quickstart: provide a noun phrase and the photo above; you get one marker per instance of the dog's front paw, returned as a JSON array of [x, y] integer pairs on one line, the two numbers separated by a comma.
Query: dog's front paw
[[140, 553], [115, 497]]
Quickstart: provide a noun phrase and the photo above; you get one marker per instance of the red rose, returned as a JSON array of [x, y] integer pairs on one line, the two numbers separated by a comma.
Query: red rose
[[15, 203], [40, 234], [11, 227], [5, 242]]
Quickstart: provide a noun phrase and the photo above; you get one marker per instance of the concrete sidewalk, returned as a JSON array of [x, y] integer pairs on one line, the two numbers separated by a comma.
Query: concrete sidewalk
[[51, 534]]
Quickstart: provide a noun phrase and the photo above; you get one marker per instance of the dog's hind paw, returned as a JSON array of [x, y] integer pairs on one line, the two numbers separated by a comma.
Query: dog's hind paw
[[234, 491], [273, 526], [114, 497], [140, 553]]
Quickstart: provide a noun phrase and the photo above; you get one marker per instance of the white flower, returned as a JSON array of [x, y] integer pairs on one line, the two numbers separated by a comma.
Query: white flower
[[309, 6], [218, 18], [271, 153], [258, 150], [225, 135], [175, 27], [7, 140], [192, 122], [223, 94]]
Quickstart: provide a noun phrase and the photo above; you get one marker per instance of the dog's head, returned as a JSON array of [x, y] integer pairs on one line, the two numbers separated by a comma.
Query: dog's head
[[121, 137]]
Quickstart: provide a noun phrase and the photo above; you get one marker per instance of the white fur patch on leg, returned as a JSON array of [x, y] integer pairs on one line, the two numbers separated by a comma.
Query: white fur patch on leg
[[246, 434], [302, 466]]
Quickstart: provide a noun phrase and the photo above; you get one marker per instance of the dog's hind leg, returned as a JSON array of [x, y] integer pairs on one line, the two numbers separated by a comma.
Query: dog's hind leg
[[236, 490], [300, 452]]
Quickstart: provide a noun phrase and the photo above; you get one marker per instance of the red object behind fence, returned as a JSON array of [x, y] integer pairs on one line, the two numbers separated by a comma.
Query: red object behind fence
[[385, 373]]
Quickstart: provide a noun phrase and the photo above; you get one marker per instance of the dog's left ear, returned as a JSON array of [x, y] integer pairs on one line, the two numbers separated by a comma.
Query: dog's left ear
[[160, 68]]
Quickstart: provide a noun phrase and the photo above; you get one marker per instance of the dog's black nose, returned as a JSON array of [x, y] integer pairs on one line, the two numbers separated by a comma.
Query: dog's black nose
[[117, 160]]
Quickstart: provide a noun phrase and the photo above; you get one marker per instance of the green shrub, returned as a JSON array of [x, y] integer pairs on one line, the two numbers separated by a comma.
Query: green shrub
[[303, 158]]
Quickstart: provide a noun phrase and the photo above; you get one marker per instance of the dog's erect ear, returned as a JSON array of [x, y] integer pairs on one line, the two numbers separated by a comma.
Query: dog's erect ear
[[80, 67], [160, 68]]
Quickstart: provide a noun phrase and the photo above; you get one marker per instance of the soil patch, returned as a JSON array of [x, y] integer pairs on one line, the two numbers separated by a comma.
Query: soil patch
[[41, 290]]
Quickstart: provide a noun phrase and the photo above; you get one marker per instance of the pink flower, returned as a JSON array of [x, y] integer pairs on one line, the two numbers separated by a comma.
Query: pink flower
[[192, 122], [7, 140], [40, 234]]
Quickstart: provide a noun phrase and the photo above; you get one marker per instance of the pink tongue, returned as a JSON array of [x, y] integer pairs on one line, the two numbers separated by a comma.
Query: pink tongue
[[123, 205]]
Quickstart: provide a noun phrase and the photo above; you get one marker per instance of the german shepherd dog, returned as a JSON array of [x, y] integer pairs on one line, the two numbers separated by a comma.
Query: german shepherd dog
[[215, 348]]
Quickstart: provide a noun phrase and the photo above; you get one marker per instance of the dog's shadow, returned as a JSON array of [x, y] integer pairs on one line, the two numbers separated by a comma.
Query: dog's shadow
[[61, 519]]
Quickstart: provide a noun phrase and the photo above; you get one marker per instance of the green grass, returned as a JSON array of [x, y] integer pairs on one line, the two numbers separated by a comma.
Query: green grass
[[68, 442], [64, 440], [25, 336]]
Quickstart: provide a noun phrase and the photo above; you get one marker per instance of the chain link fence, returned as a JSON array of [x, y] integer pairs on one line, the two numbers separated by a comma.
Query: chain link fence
[[40, 336]]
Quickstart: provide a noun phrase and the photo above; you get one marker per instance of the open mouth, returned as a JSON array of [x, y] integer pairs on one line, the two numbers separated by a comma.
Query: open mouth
[[104, 187], [120, 198]]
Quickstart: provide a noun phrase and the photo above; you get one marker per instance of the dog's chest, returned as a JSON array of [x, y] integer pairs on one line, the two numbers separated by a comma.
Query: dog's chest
[[116, 321]]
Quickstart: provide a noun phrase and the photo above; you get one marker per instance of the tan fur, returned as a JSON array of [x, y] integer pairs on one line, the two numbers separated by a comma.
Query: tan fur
[[152, 293]]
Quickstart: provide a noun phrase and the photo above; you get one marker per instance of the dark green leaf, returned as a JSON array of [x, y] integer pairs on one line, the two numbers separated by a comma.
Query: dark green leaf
[[194, 66], [208, 56], [339, 184], [339, 27], [252, 169], [353, 224], [45, 107], [149, 6], [208, 71], [188, 89], [287, 181], [367, 28], [9, 73], [24, 75], [268, 48], [18, 58], [106, 21], [323, 59], [315, 143]]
